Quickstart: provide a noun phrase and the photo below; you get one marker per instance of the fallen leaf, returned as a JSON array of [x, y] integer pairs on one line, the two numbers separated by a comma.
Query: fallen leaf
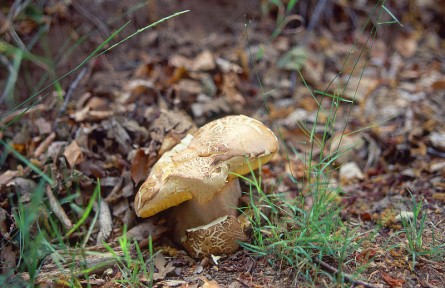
[[146, 229], [392, 282], [162, 266], [209, 283], [439, 197], [141, 164], [438, 140], [349, 173], [8, 259], [7, 176], [406, 45], [25, 187], [105, 222], [366, 255], [204, 62], [73, 154]]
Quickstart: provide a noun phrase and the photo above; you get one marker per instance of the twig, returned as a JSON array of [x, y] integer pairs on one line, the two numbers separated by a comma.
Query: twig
[[44, 145], [71, 89], [22, 112], [347, 277]]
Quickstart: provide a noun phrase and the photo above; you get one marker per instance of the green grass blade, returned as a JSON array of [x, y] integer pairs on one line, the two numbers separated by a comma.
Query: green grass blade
[[88, 209]]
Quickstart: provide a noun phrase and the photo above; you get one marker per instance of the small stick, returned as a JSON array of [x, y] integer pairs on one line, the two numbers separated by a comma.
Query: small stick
[[71, 89], [347, 277], [44, 145], [23, 111]]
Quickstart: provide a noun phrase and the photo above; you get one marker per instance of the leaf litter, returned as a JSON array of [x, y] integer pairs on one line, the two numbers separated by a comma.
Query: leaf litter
[[120, 121]]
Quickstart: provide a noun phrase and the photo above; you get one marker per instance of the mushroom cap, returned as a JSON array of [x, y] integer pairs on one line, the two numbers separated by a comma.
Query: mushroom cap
[[220, 236], [200, 165]]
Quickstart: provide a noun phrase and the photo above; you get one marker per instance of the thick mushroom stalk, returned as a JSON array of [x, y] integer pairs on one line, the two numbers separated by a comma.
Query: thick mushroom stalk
[[200, 171], [221, 236], [193, 213]]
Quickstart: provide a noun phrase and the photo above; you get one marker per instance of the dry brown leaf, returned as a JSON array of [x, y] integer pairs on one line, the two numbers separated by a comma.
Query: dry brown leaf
[[145, 229], [358, 88], [44, 126], [137, 87], [92, 168], [226, 66], [162, 266], [25, 187], [57, 209], [142, 162], [230, 88], [350, 173], [209, 283], [439, 197], [8, 259], [105, 222], [187, 88], [73, 154], [204, 62], [205, 105], [7, 176], [392, 282], [406, 45], [4, 219], [180, 61]]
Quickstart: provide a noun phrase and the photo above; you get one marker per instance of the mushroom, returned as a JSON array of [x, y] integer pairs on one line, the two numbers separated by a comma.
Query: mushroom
[[201, 173], [220, 236]]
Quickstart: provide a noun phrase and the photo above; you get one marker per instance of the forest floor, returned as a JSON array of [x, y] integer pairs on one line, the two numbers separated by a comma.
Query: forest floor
[[112, 119]]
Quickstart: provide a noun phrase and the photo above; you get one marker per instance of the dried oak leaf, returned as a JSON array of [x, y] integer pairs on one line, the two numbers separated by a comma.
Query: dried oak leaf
[[162, 266]]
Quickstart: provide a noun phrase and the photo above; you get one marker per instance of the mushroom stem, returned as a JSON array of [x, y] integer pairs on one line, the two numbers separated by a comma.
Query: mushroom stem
[[192, 213]]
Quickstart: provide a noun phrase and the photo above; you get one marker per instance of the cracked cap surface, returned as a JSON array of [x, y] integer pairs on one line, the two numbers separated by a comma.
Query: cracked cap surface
[[200, 165]]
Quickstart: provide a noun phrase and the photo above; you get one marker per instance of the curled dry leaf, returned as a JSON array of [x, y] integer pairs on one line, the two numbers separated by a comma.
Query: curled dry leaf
[[57, 209], [105, 222]]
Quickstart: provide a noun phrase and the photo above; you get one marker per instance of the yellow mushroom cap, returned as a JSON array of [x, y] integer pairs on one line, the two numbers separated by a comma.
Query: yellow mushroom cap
[[200, 165], [220, 236]]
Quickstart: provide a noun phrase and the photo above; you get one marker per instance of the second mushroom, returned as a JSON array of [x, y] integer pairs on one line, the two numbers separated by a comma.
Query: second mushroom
[[199, 176]]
